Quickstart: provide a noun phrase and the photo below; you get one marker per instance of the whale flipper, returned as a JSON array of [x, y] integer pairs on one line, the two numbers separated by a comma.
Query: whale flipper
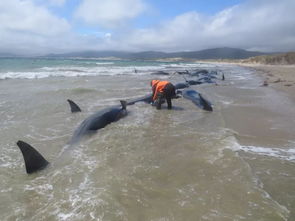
[[34, 161], [74, 107]]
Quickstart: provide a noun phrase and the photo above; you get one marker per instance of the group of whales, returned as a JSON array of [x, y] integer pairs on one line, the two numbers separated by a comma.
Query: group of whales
[[34, 161], [204, 75]]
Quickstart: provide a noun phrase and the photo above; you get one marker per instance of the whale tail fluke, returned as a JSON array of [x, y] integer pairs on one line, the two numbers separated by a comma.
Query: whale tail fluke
[[34, 161], [197, 99], [74, 107], [206, 104]]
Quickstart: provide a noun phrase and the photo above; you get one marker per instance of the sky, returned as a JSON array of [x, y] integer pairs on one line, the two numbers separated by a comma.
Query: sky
[[59, 26]]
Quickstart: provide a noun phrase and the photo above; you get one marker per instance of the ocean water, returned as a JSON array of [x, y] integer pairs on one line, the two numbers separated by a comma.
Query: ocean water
[[236, 163]]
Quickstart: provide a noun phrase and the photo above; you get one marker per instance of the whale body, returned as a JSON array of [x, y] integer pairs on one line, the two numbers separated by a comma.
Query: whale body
[[99, 120], [197, 99], [147, 99], [34, 161]]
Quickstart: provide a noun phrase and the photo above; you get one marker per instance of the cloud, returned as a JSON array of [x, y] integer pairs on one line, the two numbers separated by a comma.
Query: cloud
[[266, 25], [24, 25], [109, 13], [24, 17]]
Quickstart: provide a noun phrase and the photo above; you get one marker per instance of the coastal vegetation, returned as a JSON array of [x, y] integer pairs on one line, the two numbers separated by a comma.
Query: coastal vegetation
[[279, 59], [267, 59]]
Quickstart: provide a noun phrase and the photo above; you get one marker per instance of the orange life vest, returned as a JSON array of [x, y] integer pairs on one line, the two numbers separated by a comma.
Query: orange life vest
[[158, 87]]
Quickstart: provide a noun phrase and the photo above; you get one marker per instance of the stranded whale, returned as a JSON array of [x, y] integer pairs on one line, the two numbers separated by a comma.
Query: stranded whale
[[34, 161], [147, 99], [99, 120], [197, 99]]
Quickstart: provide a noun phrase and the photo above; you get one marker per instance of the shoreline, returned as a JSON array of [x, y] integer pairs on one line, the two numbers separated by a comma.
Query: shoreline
[[279, 77]]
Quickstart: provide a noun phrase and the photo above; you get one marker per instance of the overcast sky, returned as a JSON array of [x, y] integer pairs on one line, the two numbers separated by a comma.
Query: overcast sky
[[54, 26]]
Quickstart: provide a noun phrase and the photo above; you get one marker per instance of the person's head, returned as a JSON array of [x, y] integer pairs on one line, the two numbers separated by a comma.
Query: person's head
[[153, 82]]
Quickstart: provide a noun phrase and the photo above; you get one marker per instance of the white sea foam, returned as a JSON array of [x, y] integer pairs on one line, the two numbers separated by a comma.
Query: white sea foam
[[283, 154], [63, 216], [77, 71], [99, 68], [103, 63]]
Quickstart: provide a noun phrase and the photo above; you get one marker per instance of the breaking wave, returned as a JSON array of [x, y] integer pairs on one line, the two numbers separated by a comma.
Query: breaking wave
[[93, 69]]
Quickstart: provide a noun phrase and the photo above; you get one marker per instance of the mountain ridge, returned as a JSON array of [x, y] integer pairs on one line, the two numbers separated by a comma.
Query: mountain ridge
[[206, 54], [214, 53]]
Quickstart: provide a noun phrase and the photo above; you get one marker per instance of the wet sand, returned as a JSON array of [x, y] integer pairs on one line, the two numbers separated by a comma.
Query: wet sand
[[275, 80], [235, 163], [279, 77]]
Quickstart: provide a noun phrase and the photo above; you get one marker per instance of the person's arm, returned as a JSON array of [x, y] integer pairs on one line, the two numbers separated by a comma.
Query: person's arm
[[154, 91]]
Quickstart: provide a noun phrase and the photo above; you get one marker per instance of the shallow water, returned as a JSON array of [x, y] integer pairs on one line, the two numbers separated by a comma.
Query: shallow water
[[236, 163]]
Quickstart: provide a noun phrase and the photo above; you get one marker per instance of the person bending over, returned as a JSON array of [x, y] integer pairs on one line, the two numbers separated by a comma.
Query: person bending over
[[162, 90]]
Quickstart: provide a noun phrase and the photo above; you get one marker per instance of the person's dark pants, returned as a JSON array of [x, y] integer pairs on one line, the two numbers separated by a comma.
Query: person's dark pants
[[168, 93]]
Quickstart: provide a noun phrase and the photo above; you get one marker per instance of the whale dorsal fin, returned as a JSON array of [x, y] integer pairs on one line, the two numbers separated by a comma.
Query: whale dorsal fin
[[34, 161], [124, 104], [74, 107]]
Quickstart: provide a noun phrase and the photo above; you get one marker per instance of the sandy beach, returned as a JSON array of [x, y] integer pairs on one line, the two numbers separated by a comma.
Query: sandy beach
[[279, 77], [183, 164]]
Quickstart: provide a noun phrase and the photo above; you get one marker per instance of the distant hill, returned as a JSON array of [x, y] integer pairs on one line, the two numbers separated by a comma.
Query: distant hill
[[7, 55], [285, 58], [93, 54], [217, 53]]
